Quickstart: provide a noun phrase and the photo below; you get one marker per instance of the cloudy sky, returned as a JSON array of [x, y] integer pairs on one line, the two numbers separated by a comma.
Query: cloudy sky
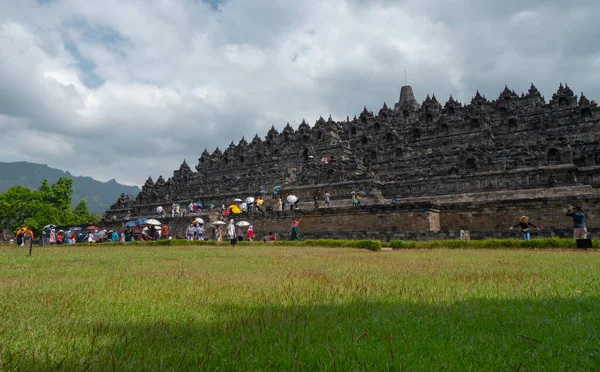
[[127, 88]]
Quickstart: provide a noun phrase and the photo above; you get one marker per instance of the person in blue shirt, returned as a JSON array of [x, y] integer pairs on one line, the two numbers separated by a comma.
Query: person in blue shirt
[[394, 201], [580, 231], [114, 236]]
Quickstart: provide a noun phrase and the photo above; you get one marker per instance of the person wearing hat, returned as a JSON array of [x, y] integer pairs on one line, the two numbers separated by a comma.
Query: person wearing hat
[[231, 233], [294, 234], [524, 223]]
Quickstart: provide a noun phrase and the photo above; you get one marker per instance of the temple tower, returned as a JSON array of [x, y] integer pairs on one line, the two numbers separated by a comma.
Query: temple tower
[[407, 102]]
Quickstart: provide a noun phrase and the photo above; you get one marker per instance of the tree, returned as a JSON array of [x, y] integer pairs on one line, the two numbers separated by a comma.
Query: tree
[[20, 207]]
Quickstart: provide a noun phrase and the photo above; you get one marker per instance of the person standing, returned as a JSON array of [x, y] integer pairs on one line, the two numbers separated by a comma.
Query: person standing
[[250, 233], [580, 229], [164, 233], [327, 199], [231, 233], [294, 235], [524, 224]]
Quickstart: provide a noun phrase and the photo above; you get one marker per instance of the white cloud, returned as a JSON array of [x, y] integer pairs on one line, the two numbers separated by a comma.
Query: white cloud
[[174, 77]]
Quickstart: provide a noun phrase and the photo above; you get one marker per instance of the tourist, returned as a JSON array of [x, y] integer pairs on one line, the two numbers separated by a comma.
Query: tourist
[[173, 210], [327, 199], [580, 229], [45, 232], [524, 223], [52, 237], [90, 237], [394, 200], [358, 198], [219, 233], [250, 233], [189, 232], [279, 205], [160, 211], [316, 199], [240, 235], [294, 235], [59, 237], [114, 237], [200, 231], [192, 208], [231, 233], [271, 237], [353, 198], [164, 233], [259, 203]]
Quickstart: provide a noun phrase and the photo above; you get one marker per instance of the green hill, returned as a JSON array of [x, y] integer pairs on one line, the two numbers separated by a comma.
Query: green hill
[[97, 195]]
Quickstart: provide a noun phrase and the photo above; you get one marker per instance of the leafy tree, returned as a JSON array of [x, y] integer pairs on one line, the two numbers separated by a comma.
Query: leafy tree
[[20, 207]]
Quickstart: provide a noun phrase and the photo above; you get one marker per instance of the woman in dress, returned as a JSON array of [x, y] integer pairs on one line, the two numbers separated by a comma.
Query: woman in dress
[[250, 233]]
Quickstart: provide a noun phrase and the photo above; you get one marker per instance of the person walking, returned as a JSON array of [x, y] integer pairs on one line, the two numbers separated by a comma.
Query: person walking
[[524, 224], [294, 235], [250, 233], [580, 229], [231, 235]]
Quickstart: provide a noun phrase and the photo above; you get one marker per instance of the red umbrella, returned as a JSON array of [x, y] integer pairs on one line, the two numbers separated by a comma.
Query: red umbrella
[[92, 228]]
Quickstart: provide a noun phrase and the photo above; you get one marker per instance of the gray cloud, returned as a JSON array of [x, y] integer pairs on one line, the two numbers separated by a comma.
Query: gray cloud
[[124, 90]]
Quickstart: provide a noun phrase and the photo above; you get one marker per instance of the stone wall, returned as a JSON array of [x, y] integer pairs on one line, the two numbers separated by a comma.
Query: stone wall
[[483, 216]]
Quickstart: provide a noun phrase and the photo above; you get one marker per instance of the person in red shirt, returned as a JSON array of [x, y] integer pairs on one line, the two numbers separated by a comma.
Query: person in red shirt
[[164, 232]]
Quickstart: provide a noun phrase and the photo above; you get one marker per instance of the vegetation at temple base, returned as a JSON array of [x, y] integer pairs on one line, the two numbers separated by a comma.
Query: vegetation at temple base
[[268, 306], [20, 206]]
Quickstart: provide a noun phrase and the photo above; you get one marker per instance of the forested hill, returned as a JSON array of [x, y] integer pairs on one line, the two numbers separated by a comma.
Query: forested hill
[[97, 195]]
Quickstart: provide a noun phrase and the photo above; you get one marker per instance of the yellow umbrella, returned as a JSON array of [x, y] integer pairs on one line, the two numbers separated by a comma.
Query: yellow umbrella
[[24, 231], [234, 209]]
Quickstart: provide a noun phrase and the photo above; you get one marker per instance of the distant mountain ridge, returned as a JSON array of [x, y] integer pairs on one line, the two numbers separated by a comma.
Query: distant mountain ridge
[[97, 195]]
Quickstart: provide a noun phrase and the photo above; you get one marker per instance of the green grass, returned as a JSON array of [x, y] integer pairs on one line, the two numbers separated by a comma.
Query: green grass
[[272, 307]]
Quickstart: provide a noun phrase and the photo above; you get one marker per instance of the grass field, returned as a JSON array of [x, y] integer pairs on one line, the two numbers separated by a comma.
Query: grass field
[[268, 307]]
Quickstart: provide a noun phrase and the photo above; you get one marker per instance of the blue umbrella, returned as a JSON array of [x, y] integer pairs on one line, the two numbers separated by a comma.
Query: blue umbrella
[[141, 221], [75, 228], [199, 204], [262, 192], [130, 224], [276, 187]]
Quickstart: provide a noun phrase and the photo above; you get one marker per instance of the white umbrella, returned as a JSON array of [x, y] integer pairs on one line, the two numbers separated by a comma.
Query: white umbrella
[[292, 198], [237, 200], [243, 223], [250, 200], [199, 220], [243, 206], [51, 226], [152, 222], [219, 223]]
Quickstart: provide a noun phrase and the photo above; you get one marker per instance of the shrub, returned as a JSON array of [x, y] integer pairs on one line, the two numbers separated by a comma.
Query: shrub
[[488, 243]]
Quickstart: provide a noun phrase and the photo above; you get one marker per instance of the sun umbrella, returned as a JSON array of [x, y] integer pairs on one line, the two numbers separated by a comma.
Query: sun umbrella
[[51, 226], [234, 209], [141, 221], [243, 223], [219, 223], [199, 204], [92, 227], [211, 205], [76, 228], [292, 198], [199, 220], [24, 230], [250, 200], [152, 222], [243, 206], [130, 224], [262, 192], [362, 192], [237, 200]]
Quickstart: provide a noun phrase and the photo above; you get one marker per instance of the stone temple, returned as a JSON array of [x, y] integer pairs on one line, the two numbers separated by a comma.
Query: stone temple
[[475, 166]]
